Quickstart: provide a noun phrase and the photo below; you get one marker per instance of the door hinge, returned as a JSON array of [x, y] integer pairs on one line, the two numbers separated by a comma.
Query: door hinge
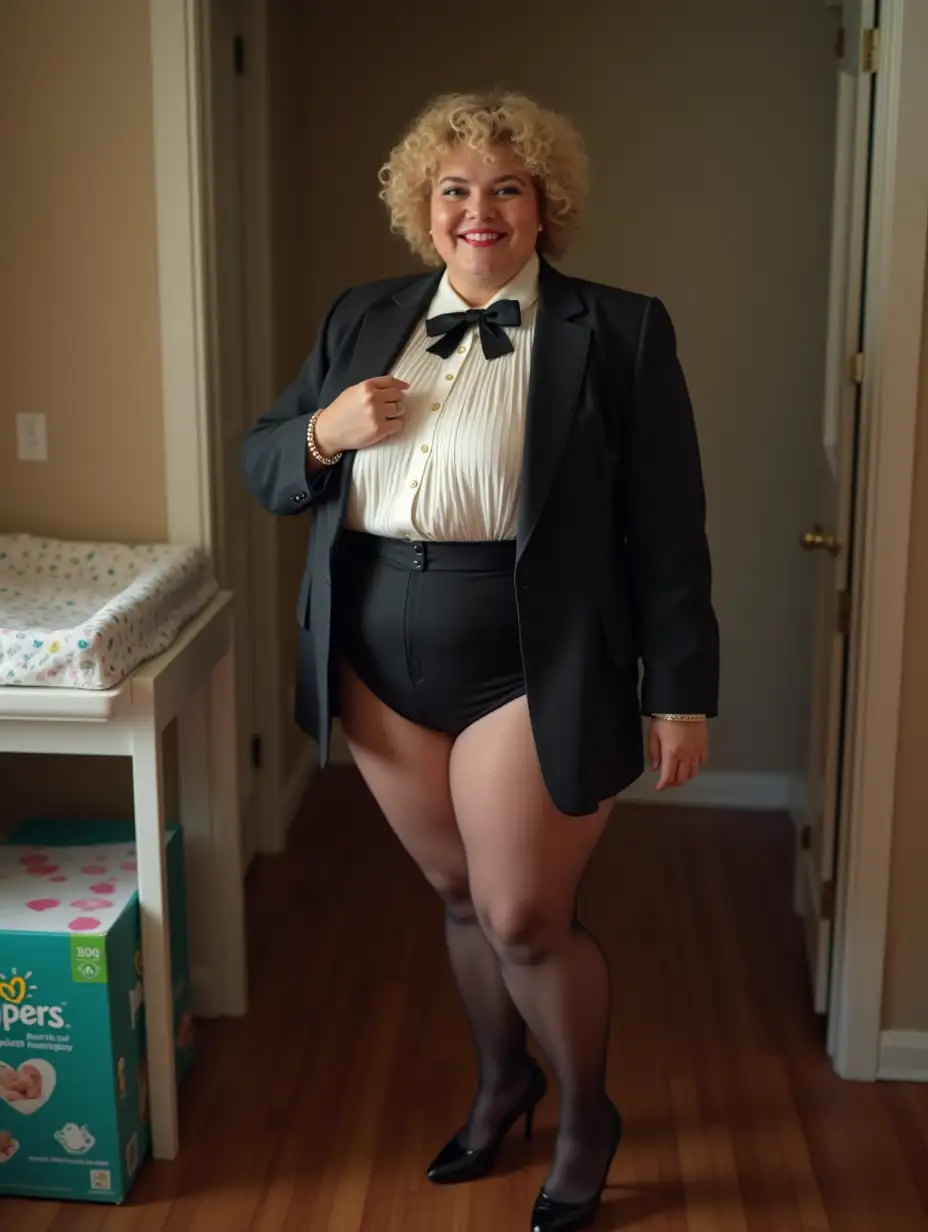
[[238, 53], [844, 612], [826, 902], [257, 752], [870, 50], [805, 837], [857, 368]]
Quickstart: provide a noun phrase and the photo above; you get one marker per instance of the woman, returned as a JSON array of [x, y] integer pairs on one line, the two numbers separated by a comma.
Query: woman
[[509, 516]]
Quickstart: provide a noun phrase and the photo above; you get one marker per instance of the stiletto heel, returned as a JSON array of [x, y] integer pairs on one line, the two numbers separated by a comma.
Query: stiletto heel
[[456, 1163], [549, 1215]]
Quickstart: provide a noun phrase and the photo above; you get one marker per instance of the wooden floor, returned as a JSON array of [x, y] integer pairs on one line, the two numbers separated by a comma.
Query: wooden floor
[[318, 1112]]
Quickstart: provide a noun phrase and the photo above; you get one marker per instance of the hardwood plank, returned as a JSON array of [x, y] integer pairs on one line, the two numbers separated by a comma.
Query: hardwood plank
[[26, 1215]]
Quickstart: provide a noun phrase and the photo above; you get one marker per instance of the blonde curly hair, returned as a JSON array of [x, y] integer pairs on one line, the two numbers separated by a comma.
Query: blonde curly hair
[[545, 142]]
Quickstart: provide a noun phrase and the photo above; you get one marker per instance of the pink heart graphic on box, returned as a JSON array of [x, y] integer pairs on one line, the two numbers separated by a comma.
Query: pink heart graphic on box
[[43, 904], [103, 887], [84, 924], [41, 870], [34, 858], [130, 866], [91, 904], [93, 869]]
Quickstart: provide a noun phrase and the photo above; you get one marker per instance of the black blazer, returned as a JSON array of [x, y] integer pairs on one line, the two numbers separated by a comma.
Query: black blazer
[[612, 565]]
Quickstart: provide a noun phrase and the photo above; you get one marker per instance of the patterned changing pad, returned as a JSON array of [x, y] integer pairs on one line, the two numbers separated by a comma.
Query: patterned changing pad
[[83, 615]]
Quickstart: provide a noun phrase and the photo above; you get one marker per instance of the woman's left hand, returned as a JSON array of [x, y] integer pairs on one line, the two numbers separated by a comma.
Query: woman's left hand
[[678, 750]]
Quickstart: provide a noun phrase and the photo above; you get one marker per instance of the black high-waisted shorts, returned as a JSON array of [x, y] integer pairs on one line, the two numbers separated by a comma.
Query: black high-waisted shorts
[[431, 628]]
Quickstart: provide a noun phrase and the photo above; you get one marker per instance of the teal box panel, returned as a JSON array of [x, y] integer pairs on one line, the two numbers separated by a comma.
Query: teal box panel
[[73, 1092], [56, 832]]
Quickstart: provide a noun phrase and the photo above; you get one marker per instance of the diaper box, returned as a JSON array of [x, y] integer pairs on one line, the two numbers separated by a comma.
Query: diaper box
[[74, 1118], [55, 832]]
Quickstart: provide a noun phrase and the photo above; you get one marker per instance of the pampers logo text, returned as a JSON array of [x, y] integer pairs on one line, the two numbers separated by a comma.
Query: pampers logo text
[[14, 1009]]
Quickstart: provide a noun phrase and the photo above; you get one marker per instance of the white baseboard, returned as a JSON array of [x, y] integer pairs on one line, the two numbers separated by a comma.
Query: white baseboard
[[339, 753], [712, 789], [720, 789], [798, 800], [295, 787], [903, 1056], [204, 1002]]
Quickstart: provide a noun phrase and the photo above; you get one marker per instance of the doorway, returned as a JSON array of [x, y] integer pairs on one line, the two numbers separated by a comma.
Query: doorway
[[830, 537], [238, 319]]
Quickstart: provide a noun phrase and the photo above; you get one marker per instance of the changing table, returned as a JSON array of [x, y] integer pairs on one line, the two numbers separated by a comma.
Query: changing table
[[192, 680]]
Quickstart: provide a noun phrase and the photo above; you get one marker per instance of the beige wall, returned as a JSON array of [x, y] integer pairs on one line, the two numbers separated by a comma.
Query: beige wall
[[905, 992], [710, 128], [79, 330]]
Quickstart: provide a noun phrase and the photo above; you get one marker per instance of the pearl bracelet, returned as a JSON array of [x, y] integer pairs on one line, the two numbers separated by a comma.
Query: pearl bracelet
[[313, 447], [681, 718]]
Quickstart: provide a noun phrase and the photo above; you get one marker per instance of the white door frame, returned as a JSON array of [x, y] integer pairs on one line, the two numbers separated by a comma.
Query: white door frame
[[179, 207], [259, 289], [896, 261], [181, 185]]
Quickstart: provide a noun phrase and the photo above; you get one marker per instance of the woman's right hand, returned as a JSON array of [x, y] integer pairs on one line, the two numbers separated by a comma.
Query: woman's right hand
[[361, 416]]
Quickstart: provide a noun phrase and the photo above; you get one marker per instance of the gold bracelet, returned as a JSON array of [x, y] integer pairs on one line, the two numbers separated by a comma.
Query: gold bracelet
[[681, 718], [313, 447]]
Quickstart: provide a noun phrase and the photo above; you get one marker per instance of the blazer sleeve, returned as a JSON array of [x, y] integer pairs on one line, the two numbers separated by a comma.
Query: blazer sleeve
[[664, 515], [274, 454]]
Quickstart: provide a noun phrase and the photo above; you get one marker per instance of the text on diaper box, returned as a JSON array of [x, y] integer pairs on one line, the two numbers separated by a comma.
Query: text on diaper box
[[31, 1015], [64, 1045], [71, 1163], [39, 1043]]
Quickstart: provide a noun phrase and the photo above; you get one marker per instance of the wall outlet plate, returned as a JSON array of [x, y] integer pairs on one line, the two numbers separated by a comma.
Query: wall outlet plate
[[31, 438]]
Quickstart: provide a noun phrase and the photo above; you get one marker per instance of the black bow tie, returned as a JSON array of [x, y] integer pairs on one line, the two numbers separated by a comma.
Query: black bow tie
[[454, 325]]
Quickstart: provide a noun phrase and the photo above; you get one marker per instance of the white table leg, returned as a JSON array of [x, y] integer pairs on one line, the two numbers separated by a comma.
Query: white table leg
[[196, 808], [147, 785], [228, 902]]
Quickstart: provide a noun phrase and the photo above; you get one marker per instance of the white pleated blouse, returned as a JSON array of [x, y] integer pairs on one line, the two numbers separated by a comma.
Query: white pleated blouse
[[454, 470]]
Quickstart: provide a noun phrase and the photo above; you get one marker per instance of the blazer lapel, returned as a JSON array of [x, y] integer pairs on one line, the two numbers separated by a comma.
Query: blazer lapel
[[384, 332], [559, 353], [386, 328]]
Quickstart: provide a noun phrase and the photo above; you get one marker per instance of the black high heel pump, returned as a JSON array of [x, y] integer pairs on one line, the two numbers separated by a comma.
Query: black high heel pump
[[549, 1215], [455, 1163]]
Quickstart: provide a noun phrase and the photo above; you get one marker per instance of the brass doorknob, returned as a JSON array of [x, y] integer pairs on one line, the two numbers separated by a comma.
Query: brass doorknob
[[817, 540]]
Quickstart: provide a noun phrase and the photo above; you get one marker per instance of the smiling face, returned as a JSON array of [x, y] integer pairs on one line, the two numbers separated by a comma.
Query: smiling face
[[484, 220]]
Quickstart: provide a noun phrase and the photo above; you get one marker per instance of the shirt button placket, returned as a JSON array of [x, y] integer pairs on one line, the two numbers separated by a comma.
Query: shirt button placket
[[425, 446]]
